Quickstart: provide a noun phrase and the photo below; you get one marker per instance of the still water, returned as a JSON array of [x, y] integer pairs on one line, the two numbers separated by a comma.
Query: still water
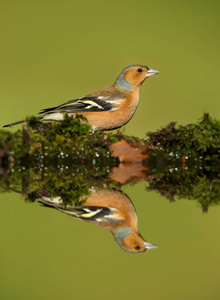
[[58, 254]]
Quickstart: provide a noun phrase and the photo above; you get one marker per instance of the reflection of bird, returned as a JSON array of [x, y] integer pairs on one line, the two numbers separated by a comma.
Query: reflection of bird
[[111, 210], [107, 109]]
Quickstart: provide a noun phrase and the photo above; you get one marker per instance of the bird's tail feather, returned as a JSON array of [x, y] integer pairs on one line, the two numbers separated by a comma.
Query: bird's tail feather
[[71, 210], [14, 123], [19, 122]]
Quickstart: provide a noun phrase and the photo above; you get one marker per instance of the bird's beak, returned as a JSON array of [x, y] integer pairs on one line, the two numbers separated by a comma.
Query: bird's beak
[[151, 72], [149, 246]]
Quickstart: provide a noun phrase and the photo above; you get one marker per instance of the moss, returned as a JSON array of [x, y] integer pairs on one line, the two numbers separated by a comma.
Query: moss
[[48, 159], [67, 158], [200, 139]]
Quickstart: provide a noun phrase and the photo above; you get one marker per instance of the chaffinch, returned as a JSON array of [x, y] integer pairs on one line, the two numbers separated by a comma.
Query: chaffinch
[[107, 109], [111, 210]]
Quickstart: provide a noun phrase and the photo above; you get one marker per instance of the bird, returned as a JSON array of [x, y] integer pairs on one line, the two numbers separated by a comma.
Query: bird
[[111, 210], [108, 109]]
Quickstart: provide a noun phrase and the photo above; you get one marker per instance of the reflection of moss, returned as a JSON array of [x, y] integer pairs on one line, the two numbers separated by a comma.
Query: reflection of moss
[[49, 159], [66, 158], [68, 182], [185, 160], [198, 182], [75, 138]]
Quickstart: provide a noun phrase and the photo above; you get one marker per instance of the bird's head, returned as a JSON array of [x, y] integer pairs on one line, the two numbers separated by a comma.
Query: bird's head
[[132, 77], [135, 243], [131, 241]]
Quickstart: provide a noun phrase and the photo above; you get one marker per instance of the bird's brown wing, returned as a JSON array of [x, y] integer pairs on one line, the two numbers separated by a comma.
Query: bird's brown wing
[[85, 104]]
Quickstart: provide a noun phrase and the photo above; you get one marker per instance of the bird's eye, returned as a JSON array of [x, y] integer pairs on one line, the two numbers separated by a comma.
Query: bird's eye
[[139, 70], [137, 247]]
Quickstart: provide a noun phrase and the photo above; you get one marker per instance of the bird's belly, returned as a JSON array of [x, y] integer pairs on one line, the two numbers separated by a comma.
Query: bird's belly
[[108, 120]]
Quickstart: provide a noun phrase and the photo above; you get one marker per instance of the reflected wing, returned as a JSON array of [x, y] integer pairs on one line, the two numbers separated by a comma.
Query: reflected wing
[[93, 213], [86, 213]]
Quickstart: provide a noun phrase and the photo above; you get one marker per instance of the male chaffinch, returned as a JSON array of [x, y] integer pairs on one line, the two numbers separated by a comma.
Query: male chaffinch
[[107, 109], [111, 210]]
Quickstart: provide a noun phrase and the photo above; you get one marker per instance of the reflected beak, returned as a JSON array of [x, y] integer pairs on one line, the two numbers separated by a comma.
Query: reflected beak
[[149, 246], [151, 72]]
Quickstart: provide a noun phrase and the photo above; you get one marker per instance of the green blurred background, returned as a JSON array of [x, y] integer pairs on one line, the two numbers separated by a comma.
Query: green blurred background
[[54, 51]]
